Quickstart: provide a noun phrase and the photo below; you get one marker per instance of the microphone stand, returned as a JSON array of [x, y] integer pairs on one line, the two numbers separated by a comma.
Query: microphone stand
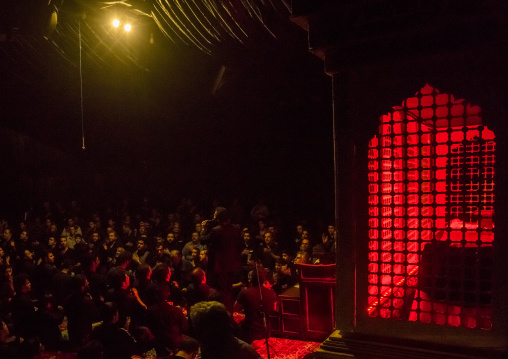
[[267, 335]]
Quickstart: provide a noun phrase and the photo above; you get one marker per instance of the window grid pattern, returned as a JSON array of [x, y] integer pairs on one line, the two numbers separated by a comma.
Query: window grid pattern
[[431, 201]]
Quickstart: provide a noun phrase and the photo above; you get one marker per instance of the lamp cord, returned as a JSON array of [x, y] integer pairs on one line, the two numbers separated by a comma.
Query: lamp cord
[[81, 88]]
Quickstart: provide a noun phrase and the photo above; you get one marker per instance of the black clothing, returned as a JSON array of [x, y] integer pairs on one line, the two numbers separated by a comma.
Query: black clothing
[[198, 293], [24, 316], [117, 343], [233, 348], [253, 327], [224, 259], [49, 331], [167, 323], [61, 286], [81, 314]]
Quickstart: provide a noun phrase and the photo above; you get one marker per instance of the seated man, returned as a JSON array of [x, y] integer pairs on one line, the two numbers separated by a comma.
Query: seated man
[[212, 326], [257, 302], [117, 343]]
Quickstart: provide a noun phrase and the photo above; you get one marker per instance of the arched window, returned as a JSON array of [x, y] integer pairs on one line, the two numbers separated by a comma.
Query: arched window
[[431, 202]]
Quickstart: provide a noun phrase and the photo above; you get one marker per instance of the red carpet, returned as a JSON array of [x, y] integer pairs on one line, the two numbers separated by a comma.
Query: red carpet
[[285, 348]]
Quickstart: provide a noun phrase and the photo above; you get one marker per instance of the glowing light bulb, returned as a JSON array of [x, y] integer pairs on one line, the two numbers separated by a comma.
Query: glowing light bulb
[[127, 27], [116, 23]]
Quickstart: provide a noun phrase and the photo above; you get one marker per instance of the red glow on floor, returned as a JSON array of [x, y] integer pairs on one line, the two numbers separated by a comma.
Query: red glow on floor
[[281, 348]]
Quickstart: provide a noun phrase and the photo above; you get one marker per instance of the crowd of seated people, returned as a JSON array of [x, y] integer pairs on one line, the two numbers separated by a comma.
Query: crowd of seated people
[[131, 285]]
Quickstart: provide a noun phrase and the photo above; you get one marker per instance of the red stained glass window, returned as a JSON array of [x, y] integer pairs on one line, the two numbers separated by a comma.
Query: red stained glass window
[[432, 197]]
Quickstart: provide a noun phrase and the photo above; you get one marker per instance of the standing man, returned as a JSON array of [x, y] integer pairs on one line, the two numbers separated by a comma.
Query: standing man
[[225, 246]]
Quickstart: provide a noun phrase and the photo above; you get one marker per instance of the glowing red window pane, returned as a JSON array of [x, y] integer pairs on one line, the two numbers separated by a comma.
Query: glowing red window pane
[[457, 122], [412, 211], [427, 101], [386, 234], [373, 223], [373, 234], [441, 162], [413, 151], [399, 152], [412, 163], [412, 175], [398, 199], [412, 127], [386, 222], [385, 313], [373, 153], [386, 268], [427, 199], [411, 102], [386, 199], [399, 176], [413, 257], [412, 139], [426, 174], [413, 187], [386, 165], [373, 165], [441, 186], [386, 211], [442, 137], [385, 129], [471, 236], [441, 99], [385, 188], [399, 234], [441, 123], [398, 128], [373, 188], [413, 222], [426, 223], [373, 267], [398, 141], [413, 199], [457, 111], [399, 246], [373, 290], [399, 258], [413, 235], [426, 235], [374, 245], [399, 187], [399, 211], [386, 176], [386, 141], [399, 223], [441, 224], [399, 164], [399, 269], [373, 200], [457, 136], [386, 245], [426, 187], [487, 236]]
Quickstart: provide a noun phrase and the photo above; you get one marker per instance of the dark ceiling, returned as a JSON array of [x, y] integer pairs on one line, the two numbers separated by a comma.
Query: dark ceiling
[[205, 88]]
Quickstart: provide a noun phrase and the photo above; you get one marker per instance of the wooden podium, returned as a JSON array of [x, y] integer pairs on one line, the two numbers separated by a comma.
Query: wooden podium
[[306, 310]]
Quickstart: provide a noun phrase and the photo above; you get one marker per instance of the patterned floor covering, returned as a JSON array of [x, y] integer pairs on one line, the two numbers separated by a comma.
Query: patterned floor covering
[[281, 348]]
